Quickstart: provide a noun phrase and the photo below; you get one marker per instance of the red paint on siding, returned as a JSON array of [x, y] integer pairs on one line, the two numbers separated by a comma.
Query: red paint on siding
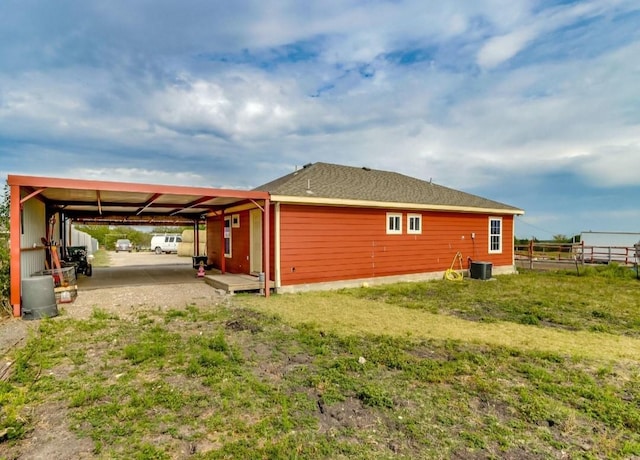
[[239, 260], [320, 244]]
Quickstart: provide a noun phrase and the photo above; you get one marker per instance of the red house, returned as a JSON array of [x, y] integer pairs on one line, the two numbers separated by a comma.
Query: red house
[[334, 226]]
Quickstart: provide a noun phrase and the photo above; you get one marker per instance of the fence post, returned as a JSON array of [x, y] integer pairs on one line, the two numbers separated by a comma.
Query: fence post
[[531, 254]]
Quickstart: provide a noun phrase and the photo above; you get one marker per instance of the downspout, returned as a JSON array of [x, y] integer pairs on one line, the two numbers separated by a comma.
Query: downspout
[[14, 251], [266, 260], [276, 249]]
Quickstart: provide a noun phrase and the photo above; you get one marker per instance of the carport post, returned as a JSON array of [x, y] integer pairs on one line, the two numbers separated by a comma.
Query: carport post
[[14, 251], [196, 239], [266, 262]]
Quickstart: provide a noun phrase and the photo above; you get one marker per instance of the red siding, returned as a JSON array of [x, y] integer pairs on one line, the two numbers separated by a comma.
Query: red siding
[[239, 260], [320, 244]]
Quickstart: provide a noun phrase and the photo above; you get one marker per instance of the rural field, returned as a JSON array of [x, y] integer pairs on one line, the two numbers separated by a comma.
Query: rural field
[[529, 366]]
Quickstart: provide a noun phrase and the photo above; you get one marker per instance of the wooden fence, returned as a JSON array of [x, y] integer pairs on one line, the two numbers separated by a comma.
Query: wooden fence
[[536, 253]]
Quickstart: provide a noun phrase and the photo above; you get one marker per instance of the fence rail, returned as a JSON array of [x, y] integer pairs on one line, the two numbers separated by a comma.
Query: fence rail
[[576, 253]]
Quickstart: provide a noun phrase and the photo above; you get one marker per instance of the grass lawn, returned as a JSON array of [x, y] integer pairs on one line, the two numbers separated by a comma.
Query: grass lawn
[[526, 366], [100, 258]]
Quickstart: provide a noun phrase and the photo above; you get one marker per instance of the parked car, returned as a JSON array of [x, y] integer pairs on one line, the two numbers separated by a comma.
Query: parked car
[[165, 243], [124, 245]]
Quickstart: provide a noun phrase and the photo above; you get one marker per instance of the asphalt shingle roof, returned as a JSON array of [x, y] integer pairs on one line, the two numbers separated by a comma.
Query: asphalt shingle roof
[[331, 181]]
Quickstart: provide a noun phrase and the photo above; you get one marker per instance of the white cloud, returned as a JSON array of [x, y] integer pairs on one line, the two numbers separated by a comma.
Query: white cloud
[[612, 166], [504, 47], [140, 175], [209, 88]]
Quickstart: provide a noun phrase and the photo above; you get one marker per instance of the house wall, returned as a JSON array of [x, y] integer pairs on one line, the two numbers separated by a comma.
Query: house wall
[[324, 244], [327, 244], [239, 260]]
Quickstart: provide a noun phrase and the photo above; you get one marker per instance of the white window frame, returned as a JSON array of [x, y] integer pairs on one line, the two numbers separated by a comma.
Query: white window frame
[[235, 220], [492, 236], [226, 230], [412, 218], [392, 228]]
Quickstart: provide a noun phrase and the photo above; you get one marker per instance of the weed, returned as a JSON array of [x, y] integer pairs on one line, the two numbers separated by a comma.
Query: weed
[[374, 396], [238, 382]]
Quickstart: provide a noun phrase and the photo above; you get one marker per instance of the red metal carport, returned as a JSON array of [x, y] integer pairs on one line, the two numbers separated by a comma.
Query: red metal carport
[[116, 203]]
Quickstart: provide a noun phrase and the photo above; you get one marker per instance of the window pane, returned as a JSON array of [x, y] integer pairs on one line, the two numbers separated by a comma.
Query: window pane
[[495, 238]]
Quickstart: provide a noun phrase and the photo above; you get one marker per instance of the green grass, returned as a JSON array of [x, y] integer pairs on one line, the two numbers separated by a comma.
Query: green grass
[[101, 258], [555, 299], [242, 381]]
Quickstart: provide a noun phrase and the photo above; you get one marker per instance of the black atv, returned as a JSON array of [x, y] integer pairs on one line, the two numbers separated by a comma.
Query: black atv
[[77, 257]]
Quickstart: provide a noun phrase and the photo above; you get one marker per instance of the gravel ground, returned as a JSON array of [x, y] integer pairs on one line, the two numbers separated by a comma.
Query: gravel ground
[[121, 300]]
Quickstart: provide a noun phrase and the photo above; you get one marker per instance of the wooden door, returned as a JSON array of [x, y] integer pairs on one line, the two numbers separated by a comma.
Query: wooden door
[[255, 237]]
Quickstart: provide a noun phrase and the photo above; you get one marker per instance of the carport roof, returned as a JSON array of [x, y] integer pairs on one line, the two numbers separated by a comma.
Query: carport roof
[[104, 202]]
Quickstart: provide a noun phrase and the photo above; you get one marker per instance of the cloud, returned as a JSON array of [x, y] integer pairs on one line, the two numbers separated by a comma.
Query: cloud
[[612, 166], [471, 94], [140, 175], [504, 47]]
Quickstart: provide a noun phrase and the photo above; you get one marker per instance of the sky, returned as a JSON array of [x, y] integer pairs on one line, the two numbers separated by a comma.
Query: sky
[[535, 104]]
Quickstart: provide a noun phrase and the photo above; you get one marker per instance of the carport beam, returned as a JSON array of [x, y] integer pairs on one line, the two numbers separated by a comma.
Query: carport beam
[[14, 234]]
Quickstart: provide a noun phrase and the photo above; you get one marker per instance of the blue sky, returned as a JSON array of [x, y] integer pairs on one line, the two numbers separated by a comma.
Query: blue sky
[[532, 103]]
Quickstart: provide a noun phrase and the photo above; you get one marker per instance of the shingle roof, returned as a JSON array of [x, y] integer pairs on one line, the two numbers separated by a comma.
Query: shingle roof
[[331, 181]]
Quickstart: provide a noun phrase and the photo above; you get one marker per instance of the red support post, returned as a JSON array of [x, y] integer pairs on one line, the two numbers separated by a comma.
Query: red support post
[[14, 251], [223, 258]]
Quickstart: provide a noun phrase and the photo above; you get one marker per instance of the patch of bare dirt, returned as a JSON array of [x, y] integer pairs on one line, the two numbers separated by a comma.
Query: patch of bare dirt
[[52, 436], [126, 301]]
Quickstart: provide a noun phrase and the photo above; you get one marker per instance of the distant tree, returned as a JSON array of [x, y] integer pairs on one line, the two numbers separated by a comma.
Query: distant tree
[[560, 238], [161, 230], [5, 256], [107, 236], [4, 208]]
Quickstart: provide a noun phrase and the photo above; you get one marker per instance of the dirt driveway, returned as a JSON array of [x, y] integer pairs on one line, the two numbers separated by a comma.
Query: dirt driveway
[[132, 281], [128, 259]]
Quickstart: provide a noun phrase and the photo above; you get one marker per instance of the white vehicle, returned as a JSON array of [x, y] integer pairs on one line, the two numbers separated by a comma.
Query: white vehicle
[[165, 243]]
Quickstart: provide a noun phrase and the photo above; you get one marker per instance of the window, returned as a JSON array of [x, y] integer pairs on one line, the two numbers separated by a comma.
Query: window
[[227, 236], [414, 224], [235, 220], [394, 223], [495, 235]]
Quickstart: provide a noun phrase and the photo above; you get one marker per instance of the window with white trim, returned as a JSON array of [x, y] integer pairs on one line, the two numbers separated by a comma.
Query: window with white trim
[[227, 236], [394, 223], [414, 224], [495, 235]]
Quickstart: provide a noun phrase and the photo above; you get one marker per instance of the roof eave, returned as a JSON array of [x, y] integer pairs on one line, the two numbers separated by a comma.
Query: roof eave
[[320, 201]]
